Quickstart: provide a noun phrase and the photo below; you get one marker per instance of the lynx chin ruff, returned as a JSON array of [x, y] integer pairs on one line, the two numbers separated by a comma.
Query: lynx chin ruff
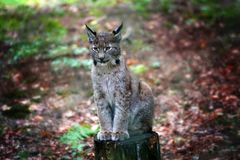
[[125, 104]]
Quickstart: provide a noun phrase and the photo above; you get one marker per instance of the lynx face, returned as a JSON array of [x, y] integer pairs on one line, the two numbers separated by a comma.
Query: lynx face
[[105, 46]]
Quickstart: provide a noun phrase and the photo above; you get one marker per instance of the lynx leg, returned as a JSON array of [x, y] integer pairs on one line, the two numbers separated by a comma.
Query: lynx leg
[[105, 118], [120, 123]]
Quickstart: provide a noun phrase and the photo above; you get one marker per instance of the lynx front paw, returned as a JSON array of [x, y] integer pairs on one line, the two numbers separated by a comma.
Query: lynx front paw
[[104, 135], [119, 136]]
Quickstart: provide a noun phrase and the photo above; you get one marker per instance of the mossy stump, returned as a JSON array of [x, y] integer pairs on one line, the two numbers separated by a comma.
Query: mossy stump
[[142, 147]]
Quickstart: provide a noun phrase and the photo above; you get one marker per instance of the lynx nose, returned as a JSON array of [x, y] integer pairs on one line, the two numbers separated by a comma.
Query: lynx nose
[[101, 58]]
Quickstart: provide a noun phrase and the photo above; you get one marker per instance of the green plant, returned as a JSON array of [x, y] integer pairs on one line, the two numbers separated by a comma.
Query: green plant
[[36, 2], [28, 32], [138, 45], [139, 68], [60, 63], [13, 2], [76, 134], [155, 64], [141, 5], [165, 5], [22, 155], [96, 6], [213, 10]]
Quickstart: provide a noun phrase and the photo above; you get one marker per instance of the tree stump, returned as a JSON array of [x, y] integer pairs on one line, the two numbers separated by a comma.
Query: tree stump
[[141, 147]]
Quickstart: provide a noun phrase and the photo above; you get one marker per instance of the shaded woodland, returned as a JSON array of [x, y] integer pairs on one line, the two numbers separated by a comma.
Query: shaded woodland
[[188, 51]]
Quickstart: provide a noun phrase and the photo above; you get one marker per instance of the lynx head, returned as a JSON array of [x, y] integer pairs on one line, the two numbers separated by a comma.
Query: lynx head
[[105, 46]]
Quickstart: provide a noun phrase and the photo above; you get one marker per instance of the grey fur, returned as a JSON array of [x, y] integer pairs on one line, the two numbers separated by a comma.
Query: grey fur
[[125, 104]]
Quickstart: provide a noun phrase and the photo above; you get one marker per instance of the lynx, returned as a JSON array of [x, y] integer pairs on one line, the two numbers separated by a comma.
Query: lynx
[[125, 104]]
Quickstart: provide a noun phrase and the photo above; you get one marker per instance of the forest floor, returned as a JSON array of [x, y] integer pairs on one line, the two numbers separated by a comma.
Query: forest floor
[[196, 92]]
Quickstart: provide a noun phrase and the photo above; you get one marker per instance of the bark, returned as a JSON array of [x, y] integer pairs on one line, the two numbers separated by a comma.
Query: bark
[[142, 147]]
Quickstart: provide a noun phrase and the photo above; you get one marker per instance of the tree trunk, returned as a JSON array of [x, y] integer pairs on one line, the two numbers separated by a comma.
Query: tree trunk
[[142, 147]]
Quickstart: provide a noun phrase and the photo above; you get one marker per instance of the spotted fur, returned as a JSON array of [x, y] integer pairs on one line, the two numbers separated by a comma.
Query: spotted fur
[[125, 104]]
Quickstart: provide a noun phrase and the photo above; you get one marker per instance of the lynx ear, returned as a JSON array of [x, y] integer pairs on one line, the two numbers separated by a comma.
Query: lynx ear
[[117, 32], [91, 34]]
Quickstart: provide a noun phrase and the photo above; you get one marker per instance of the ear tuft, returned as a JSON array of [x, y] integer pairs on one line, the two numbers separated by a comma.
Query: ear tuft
[[89, 29], [117, 33], [118, 29], [91, 34]]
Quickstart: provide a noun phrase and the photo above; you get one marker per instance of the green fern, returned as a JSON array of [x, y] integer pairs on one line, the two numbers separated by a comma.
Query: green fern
[[76, 134]]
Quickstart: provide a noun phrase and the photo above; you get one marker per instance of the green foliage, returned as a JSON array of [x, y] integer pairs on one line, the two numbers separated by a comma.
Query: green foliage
[[165, 5], [63, 62], [58, 51], [36, 2], [155, 64], [22, 155], [141, 5], [28, 32], [13, 2], [65, 49], [138, 45], [60, 63], [139, 68], [25, 49], [213, 10], [223, 120], [76, 134], [102, 3], [95, 7], [190, 21], [79, 50]]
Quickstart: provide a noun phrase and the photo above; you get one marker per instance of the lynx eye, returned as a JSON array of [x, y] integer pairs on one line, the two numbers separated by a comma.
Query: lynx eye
[[95, 48], [107, 48]]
